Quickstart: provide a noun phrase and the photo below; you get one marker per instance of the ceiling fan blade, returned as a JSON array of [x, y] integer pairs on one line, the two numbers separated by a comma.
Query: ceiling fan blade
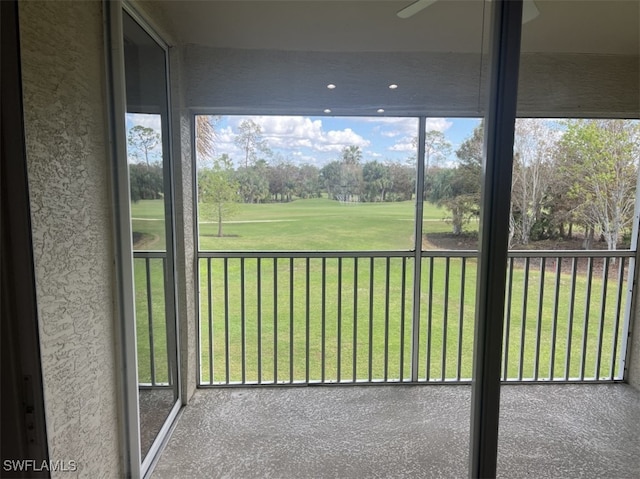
[[415, 7], [529, 11]]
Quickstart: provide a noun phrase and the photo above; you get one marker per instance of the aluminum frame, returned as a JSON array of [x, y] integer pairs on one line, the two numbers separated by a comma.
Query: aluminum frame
[[506, 26], [134, 465]]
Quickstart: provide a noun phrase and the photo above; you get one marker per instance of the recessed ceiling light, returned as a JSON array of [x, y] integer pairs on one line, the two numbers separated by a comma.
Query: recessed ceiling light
[[331, 86], [327, 110], [393, 86], [380, 110]]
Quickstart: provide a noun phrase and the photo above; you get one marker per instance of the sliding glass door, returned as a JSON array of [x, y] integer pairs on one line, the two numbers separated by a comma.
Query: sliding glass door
[[144, 200]]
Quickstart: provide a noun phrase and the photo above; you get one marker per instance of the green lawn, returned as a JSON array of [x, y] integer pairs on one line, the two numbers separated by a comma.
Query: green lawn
[[389, 346], [314, 224], [296, 318]]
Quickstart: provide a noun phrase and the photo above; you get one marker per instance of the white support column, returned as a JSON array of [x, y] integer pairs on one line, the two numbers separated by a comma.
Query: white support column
[[417, 266]]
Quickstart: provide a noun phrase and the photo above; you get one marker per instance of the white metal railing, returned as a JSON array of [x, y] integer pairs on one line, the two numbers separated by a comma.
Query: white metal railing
[[151, 313], [345, 317]]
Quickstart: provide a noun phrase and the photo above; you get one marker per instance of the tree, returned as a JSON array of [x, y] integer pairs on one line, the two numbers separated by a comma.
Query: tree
[[402, 182], [350, 183], [307, 183], [253, 184], [532, 178], [436, 149], [450, 189], [377, 181], [330, 175], [205, 137], [146, 182], [142, 142], [458, 189], [218, 190], [249, 140], [351, 155], [599, 169]]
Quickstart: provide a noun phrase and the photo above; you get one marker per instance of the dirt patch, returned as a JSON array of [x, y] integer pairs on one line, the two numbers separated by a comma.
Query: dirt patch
[[450, 241], [469, 241], [142, 240]]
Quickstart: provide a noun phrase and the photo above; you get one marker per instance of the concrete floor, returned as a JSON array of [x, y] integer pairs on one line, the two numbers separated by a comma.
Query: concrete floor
[[155, 406], [402, 431]]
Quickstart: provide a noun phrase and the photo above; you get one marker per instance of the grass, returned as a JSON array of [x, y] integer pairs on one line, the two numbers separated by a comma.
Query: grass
[[314, 224], [355, 309], [376, 313]]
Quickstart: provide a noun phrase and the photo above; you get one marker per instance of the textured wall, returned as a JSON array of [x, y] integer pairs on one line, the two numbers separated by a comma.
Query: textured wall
[[68, 165], [185, 236]]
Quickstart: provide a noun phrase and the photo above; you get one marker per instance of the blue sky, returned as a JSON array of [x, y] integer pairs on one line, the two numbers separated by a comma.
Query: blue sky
[[319, 140]]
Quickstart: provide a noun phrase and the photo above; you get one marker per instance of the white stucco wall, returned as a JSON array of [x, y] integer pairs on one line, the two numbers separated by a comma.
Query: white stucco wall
[[69, 180], [185, 236]]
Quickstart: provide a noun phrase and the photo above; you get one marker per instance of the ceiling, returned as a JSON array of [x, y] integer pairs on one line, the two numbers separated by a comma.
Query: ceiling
[[579, 57], [573, 26]]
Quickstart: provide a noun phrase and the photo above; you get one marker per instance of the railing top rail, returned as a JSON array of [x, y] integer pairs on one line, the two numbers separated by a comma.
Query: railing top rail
[[304, 254], [404, 254], [625, 253], [150, 254]]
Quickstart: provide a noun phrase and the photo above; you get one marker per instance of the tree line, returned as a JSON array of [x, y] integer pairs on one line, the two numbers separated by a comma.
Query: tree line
[[582, 174], [573, 175]]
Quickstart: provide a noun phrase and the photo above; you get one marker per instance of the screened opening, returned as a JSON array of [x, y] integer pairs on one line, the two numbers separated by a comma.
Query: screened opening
[[307, 238]]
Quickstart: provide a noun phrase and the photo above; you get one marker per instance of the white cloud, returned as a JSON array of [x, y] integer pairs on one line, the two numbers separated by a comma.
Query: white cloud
[[438, 124], [146, 120], [391, 127], [405, 145], [295, 132]]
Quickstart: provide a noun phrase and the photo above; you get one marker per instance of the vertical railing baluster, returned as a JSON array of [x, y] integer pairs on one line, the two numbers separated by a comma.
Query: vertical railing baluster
[[536, 364], [210, 318], [616, 326], [170, 379], [243, 332], [523, 322], [238, 343], [275, 320], [445, 326], [354, 346], [323, 346], [603, 306], [226, 321], [402, 315], [554, 324], [585, 329], [567, 364], [429, 321], [370, 365], [259, 314], [339, 352], [386, 322], [291, 312], [463, 275], [308, 335], [152, 350], [507, 322]]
